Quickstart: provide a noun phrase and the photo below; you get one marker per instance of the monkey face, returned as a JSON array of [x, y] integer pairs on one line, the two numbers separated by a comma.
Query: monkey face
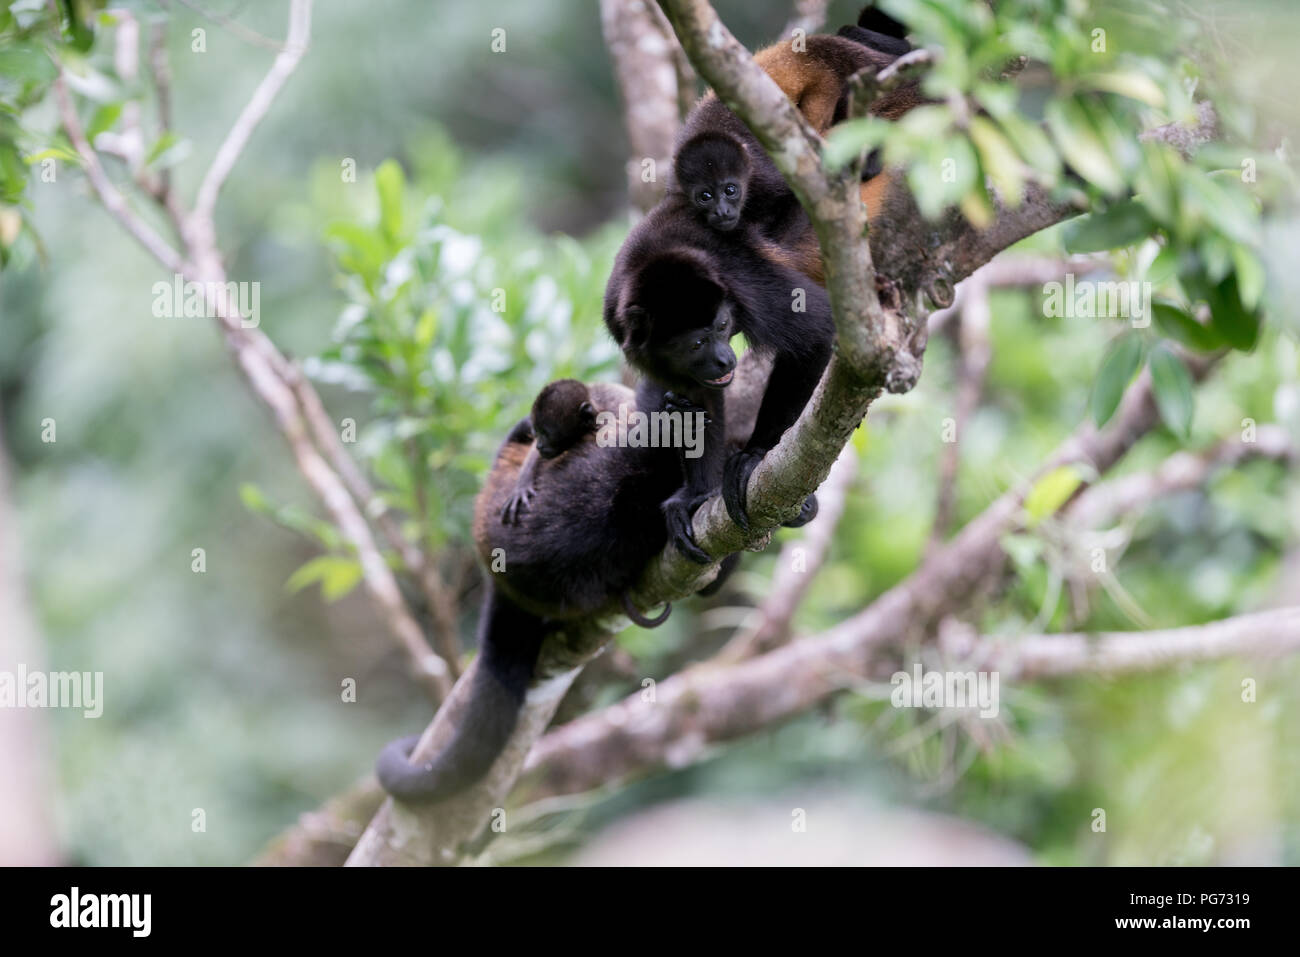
[[720, 202], [713, 170], [703, 355]]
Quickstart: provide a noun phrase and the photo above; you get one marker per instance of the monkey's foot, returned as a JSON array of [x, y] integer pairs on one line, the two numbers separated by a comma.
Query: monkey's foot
[[517, 504], [807, 512], [735, 484], [678, 510]]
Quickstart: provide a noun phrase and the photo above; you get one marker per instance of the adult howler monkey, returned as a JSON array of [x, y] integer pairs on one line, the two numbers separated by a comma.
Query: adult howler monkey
[[730, 250], [678, 293], [571, 524]]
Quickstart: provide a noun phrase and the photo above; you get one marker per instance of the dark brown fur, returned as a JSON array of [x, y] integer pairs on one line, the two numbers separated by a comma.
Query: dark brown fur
[[582, 541]]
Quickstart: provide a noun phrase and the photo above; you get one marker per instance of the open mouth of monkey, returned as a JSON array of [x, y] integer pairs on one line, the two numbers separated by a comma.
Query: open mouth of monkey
[[722, 381]]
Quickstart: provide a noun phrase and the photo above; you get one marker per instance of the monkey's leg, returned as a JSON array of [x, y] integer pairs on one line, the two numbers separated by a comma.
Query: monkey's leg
[[789, 386], [697, 475]]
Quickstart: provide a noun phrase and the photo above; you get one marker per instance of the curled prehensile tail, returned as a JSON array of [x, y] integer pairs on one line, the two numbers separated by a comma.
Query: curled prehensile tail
[[509, 640]]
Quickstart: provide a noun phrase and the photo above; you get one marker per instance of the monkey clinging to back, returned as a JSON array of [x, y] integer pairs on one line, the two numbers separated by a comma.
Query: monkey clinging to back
[[564, 525]]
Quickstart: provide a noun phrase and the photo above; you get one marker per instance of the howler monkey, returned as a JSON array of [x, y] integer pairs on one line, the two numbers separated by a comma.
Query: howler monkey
[[581, 538], [727, 250], [678, 292], [722, 170]]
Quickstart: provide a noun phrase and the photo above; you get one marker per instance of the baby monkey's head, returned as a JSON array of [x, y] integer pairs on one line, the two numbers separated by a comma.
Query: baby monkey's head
[[562, 415], [712, 171]]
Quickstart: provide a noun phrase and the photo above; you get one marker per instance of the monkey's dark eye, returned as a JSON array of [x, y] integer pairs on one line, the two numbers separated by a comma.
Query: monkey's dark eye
[[730, 189], [705, 197], [697, 345]]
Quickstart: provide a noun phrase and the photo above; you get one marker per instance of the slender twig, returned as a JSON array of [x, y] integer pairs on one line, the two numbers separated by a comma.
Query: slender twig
[[973, 361], [235, 27], [109, 195], [286, 61], [161, 72], [267, 371], [1104, 503], [442, 604]]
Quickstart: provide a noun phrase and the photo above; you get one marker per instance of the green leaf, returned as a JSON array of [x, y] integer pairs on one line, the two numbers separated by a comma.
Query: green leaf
[[426, 328], [1230, 212], [1235, 324], [53, 152], [390, 182], [105, 119], [337, 576], [1250, 276], [1051, 492], [1216, 256], [1082, 144], [1117, 370], [169, 145], [254, 500], [1122, 224], [26, 64], [1134, 85], [1172, 384], [1181, 327], [1156, 181], [848, 139], [1164, 266], [999, 159], [1032, 143]]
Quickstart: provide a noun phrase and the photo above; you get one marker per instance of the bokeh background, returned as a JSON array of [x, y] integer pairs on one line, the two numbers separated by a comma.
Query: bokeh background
[[222, 688]]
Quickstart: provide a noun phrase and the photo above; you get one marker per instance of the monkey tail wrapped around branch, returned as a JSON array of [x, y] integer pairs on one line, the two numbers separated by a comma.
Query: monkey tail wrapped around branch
[[509, 641]]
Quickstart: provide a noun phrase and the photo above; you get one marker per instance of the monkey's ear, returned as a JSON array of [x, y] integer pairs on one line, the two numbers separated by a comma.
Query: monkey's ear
[[588, 412]]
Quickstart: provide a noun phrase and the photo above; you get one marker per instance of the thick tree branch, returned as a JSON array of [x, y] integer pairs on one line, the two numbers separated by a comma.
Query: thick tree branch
[[645, 55]]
